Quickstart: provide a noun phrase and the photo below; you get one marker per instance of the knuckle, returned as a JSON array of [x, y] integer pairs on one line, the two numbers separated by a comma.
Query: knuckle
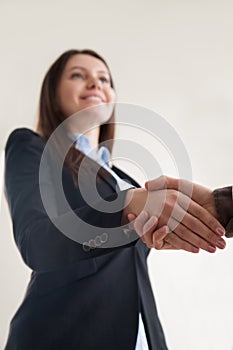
[[174, 195], [181, 232], [210, 236], [212, 222], [171, 241], [164, 180], [168, 206]]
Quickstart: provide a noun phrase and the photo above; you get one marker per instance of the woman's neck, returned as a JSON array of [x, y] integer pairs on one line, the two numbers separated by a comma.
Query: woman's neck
[[93, 136]]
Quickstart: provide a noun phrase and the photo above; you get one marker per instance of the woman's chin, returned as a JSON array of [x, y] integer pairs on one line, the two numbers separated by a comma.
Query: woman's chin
[[91, 116]]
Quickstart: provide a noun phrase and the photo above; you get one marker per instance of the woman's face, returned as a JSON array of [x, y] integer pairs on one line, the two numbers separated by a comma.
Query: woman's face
[[85, 82]]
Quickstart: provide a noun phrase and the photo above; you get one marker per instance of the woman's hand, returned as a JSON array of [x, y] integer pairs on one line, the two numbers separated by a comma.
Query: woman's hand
[[146, 229], [190, 224], [158, 238]]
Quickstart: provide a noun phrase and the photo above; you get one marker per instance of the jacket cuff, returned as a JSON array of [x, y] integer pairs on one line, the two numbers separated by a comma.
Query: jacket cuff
[[224, 205], [229, 229]]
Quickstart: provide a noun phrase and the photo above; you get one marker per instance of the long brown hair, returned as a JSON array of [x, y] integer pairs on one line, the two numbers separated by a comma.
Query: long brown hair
[[50, 115]]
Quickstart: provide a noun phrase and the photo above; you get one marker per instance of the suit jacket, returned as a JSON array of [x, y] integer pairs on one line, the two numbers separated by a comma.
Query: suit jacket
[[86, 292], [224, 205]]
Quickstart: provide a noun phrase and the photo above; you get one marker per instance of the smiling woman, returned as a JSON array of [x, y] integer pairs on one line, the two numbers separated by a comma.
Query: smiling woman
[[88, 293], [73, 300]]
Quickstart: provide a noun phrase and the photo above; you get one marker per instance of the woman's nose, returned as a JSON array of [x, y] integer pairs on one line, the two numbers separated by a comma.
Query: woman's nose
[[93, 82]]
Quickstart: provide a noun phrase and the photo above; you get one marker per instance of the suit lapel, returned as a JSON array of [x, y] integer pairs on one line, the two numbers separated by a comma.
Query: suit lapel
[[94, 168]]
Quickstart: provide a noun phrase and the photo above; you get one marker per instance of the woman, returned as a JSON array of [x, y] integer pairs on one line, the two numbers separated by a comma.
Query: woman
[[90, 292]]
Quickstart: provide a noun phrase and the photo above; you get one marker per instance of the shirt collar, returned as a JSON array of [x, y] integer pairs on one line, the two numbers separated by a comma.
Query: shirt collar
[[82, 143]]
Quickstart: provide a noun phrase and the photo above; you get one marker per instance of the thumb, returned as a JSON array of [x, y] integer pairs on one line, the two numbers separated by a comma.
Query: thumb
[[131, 217]]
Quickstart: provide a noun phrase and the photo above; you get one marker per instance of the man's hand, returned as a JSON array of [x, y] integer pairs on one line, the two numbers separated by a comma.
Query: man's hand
[[200, 194]]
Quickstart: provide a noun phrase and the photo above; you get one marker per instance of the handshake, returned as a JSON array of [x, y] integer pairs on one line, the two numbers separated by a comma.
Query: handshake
[[175, 214]]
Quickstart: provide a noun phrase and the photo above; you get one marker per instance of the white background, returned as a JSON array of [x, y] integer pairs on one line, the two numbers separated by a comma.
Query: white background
[[172, 56]]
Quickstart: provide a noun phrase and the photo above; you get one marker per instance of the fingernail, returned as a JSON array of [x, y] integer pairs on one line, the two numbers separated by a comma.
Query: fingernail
[[129, 217], [211, 249], [221, 244], [195, 249], [220, 231]]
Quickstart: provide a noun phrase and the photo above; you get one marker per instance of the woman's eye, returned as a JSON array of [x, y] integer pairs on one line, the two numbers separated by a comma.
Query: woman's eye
[[76, 75], [104, 80]]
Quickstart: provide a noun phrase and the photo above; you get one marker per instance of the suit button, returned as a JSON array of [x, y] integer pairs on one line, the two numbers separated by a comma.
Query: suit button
[[86, 247], [98, 241], [91, 243], [104, 237]]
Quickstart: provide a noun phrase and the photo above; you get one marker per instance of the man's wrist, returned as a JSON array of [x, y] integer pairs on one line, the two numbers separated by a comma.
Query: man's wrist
[[224, 204]]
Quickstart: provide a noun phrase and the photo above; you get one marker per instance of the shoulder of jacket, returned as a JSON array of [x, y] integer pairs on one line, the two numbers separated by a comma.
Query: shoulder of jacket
[[20, 135]]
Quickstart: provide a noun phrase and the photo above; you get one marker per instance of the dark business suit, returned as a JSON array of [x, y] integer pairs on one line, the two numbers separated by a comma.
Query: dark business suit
[[79, 297], [224, 205]]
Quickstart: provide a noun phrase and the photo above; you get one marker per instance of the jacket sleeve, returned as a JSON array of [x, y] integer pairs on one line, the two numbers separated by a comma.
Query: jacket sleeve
[[224, 205], [42, 244]]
